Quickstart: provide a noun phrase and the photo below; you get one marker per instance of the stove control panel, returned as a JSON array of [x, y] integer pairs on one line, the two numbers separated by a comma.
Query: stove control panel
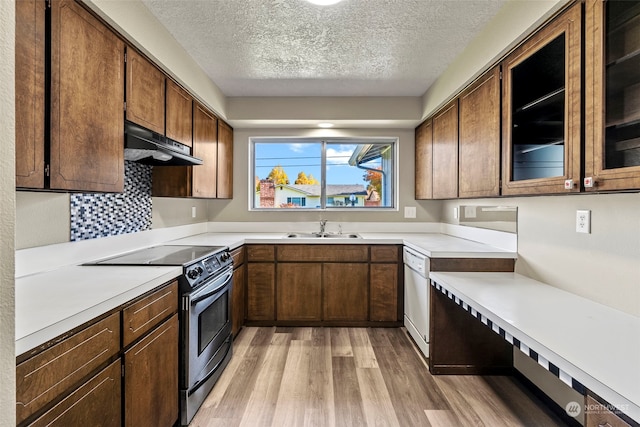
[[207, 267]]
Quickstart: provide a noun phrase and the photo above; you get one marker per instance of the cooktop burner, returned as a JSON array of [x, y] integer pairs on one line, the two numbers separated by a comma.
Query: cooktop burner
[[163, 255]]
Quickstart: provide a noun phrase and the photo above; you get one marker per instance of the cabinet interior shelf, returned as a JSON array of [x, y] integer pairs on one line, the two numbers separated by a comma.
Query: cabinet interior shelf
[[548, 99], [541, 146]]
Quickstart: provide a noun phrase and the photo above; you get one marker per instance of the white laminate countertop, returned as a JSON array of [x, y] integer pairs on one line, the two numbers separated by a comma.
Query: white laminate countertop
[[52, 302], [434, 245], [595, 344]]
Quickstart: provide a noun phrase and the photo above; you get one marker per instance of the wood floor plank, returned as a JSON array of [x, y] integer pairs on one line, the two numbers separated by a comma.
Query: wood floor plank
[[377, 405], [407, 382], [347, 397], [363, 353], [293, 394], [263, 399], [340, 343], [317, 381], [442, 418], [237, 394], [240, 346], [320, 408]]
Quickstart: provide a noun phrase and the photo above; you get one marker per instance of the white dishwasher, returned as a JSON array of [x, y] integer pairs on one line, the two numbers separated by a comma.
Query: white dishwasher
[[416, 297]]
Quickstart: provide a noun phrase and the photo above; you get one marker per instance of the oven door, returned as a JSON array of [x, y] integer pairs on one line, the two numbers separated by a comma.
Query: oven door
[[207, 323]]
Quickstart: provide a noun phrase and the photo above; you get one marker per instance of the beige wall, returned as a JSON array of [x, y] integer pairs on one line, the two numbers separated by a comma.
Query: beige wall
[[7, 215], [603, 266], [238, 208]]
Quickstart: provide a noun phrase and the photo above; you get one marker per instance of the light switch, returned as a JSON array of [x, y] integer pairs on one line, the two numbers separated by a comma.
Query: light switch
[[409, 211]]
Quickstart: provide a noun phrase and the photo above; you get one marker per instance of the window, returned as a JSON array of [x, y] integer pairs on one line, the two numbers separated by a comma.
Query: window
[[323, 174]]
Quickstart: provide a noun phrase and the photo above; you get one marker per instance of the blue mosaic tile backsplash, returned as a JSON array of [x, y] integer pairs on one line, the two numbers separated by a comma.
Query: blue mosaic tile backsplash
[[96, 215]]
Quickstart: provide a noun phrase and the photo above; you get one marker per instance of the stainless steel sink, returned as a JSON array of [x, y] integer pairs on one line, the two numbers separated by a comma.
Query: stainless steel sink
[[322, 236]]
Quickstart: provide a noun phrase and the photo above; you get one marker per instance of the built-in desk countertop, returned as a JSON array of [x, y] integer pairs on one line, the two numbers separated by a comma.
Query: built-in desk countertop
[[584, 343]]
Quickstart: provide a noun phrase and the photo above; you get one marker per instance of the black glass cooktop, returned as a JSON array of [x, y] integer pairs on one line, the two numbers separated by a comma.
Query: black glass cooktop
[[162, 255]]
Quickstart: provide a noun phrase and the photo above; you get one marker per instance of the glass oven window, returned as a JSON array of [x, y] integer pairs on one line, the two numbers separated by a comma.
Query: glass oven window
[[212, 320]]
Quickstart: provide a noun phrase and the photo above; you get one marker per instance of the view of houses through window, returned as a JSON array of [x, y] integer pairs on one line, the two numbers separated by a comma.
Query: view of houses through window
[[323, 174]]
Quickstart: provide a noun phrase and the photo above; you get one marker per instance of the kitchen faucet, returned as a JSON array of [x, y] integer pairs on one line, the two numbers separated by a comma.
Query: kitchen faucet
[[323, 224]]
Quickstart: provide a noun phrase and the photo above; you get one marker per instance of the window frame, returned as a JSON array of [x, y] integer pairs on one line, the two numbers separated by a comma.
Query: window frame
[[325, 141]]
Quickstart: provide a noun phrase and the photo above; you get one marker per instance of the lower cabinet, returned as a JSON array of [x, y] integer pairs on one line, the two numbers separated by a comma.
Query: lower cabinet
[[96, 403], [238, 299], [383, 296], [151, 378], [261, 280], [323, 284], [78, 378], [299, 291], [346, 291]]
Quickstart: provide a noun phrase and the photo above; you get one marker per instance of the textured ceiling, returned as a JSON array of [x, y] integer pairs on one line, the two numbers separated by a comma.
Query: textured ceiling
[[353, 48]]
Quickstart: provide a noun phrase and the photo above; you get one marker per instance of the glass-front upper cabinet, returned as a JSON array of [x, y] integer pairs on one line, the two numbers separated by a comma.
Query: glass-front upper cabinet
[[612, 90], [541, 110]]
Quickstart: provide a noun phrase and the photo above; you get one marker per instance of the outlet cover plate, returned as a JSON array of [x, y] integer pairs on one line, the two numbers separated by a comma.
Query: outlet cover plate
[[583, 221]]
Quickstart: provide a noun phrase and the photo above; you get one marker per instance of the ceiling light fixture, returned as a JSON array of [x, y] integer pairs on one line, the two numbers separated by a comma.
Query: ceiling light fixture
[[324, 2], [325, 125]]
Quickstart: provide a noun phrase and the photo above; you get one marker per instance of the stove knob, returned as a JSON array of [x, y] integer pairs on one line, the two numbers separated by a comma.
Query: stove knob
[[225, 256], [192, 274]]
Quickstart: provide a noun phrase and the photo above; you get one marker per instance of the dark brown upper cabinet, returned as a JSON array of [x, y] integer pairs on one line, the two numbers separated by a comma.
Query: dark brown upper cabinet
[[85, 151], [445, 152], [30, 103], [225, 161], [179, 114], [87, 94], [612, 91], [193, 181], [541, 106], [479, 138], [424, 161], [145, 92]]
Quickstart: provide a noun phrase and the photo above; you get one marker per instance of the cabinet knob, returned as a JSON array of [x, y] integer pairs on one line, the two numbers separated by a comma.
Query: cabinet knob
[[568, 184], [589, 182]]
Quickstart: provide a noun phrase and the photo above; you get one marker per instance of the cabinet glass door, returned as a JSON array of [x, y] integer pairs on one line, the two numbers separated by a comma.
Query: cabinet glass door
[[541, 109], [537, 109], [612, 91], [622, 84]]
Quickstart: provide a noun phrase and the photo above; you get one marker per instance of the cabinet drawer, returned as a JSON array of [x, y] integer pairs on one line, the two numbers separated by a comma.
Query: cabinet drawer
[[384, 253], [324, 253], [597, 415], [238, 256], [96, 402], [141, 316], [52, 372], [261, 253]]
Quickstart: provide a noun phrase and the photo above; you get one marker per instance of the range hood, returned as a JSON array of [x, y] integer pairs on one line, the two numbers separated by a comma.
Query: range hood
[[150, 148]]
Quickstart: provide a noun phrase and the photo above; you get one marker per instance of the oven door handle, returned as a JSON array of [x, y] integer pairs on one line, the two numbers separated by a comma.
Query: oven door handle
[[196, 298]]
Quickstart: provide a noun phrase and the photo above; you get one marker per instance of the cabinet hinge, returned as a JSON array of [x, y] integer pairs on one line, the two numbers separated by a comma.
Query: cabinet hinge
[[122, 370], [125, 105], [47, 170], [500, 75], [49, 4]]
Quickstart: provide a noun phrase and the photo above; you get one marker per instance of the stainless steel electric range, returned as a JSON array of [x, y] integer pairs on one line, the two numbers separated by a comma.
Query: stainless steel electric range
[[205, 314]]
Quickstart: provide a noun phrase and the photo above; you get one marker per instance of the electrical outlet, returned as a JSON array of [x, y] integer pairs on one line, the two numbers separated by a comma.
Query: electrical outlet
[[455, 213], [583, 221], [193, 212]]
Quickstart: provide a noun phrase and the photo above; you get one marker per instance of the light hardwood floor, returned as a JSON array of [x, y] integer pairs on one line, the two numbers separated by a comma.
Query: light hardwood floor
[[355, 377]]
